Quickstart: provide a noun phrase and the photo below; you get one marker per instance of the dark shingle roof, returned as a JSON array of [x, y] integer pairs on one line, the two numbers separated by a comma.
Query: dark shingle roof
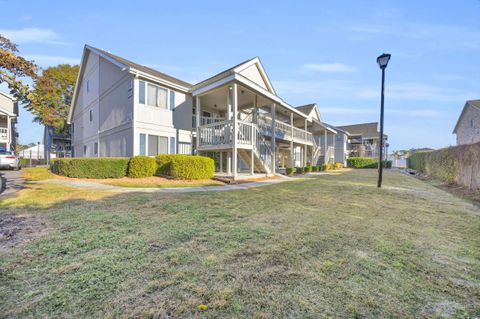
[[364, 129], [146, 69]]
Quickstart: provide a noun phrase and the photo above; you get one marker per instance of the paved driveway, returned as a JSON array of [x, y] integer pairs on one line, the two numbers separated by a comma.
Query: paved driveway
[[12, 181]]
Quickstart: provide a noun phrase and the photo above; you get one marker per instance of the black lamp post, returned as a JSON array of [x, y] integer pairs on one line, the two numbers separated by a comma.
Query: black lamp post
[[382, 62]]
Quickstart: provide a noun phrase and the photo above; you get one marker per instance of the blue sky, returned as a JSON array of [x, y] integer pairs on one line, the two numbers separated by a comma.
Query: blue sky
[[313, 51]]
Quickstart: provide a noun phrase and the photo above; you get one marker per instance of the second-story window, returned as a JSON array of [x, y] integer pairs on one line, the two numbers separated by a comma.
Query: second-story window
[[91, 115], [157, 96], [141, 92], [88, 85], [172, 100]]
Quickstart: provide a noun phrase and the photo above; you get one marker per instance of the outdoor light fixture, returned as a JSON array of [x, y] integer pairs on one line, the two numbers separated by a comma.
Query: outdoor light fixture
[[383, 60], [382, 63]]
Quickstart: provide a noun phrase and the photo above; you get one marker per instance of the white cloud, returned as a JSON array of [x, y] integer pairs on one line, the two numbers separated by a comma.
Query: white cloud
[[51, 60], [329, 67], [419, 92], [32, 35]]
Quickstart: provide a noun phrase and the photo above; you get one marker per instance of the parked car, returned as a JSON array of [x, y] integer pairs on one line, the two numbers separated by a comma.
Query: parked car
[[9, 160]]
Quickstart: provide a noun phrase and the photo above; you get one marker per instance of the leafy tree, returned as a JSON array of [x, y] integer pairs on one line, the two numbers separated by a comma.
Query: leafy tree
[[52, 94], [13, 67]]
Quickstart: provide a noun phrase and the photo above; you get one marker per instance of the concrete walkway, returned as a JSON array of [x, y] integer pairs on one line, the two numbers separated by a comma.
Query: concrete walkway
[[119, 189], [12, 182]]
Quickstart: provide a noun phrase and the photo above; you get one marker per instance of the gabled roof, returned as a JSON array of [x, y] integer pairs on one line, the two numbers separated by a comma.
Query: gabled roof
[[307, 109], [237, 69], [8, 96], [366, 130], [141, 68], [475, 104], [128, 65]]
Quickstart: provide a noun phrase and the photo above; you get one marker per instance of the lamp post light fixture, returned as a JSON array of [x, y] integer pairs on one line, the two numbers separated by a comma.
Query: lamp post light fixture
[[382, 63]]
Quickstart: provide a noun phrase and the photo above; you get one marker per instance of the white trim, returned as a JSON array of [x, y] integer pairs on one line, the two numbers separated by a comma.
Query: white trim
[[260, 68], [8, 113], [8, 96]]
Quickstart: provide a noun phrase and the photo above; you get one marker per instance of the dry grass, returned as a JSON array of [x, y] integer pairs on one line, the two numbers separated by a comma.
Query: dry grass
[[333, 246], [42, 173]]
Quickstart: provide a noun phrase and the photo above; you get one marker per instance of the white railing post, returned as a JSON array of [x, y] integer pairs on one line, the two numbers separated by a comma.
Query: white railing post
[[273, 138], [235, 128], [197, 113]]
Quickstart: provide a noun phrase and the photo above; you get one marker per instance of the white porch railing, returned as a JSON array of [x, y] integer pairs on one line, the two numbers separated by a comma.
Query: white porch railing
[[283, 130], [245, 133], [3, 134], [205, 120], [219, 133]]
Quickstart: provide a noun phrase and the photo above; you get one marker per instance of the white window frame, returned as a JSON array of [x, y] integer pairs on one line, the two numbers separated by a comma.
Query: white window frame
[[147, 83]]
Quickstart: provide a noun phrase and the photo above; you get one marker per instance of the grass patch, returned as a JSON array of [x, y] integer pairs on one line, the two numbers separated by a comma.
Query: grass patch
[[37, 174], [333, 245], [157, 182]]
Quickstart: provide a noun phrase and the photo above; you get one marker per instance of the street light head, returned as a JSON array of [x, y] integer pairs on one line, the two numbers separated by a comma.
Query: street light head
[[383, 60]]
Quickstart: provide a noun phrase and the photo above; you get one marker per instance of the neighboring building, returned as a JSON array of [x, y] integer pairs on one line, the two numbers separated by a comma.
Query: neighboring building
[[57, 144], [8, 120], [467, 128], [121, 108], [364, 140], [36, 152]]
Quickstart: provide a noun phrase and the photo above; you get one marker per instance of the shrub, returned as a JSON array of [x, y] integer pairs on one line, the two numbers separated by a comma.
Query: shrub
[[192, 167], [185, 166], [324, 167], [338, 165], [289, 171], [163, 163], [315, 168], [418, 161], [299, 170], [91, 167], [366, 162], [141, 166], [308, 169]]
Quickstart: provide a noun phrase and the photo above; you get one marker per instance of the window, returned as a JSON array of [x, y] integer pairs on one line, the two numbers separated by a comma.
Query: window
[[152, 145], [91, 115], [163, 146], [95, 148], [157, 96], [471, 123], [88, 85], [130, 89], [143, 146], [172, 100], [84, 150], [173, 146], [141, 92]]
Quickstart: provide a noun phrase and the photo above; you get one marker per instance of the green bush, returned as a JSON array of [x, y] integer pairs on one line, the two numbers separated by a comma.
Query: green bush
[[90, 167], [142, 166], [299, 170], [338, 165], [366, 162], [163, 164], [324, 167], [289, 171], [187, 167], [315, 168], [418, 161], [308, 169]]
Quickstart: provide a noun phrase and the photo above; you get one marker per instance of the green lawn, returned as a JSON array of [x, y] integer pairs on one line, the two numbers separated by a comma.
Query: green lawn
[[332, 246]]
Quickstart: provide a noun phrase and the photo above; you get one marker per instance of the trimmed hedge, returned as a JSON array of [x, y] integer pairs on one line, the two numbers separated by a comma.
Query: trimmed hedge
[[366, 162], [315, 168], [188, 167], [308, 169], [289, 171], [90, 167], [324, 167], [300, 170], [142, 166], [439, 164]]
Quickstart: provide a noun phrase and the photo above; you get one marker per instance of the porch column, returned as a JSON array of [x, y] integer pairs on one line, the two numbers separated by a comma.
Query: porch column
[[252, 163], [221, 161], [197, 121], [274, 144], [305, 146], [229, 163], [9, 133], [326, 147], [254, 116], [292, 152], [235, 128]]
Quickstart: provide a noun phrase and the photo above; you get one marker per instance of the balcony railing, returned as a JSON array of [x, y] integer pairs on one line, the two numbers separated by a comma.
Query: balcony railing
[[205, 120], [218, 133], [284, 130]]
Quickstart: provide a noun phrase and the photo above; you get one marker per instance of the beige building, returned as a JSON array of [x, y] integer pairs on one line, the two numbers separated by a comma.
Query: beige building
[[121, 108], [467, 128], [8, 120]]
